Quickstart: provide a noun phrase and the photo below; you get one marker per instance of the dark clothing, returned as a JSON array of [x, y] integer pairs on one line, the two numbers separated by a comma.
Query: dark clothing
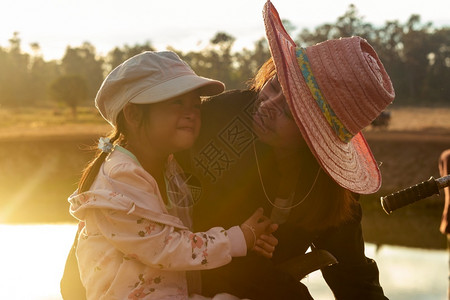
[[223, 161], [253, 277]]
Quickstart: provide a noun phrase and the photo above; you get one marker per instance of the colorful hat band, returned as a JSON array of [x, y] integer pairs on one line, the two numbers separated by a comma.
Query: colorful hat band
[[326, 109]]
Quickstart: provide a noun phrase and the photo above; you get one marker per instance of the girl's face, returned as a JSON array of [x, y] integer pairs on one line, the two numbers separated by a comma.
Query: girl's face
[[174, 124], [272, 121]]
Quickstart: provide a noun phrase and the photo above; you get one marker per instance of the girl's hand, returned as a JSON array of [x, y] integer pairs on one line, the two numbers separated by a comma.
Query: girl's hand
[[266, 243], [256, 226]]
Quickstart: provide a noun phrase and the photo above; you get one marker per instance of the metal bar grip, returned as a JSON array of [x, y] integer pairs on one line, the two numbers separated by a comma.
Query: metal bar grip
[[410, 195]]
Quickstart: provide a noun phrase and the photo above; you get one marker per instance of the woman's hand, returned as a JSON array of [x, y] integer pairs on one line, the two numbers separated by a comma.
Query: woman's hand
[[258, 231], [266, 243]]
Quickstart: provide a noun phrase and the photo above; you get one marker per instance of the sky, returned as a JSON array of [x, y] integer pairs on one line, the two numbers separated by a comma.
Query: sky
[[184, 25]]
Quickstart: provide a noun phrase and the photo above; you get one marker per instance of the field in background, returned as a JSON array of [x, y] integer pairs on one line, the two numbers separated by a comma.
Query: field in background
[[420, 119], [43, 152], [48, 122]]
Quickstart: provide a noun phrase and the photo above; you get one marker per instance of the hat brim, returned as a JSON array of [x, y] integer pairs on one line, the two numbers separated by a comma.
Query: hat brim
[[351, 164], [179, 86]]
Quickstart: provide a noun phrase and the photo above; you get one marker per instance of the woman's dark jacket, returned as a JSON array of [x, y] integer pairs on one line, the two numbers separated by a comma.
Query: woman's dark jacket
[[228, 188]]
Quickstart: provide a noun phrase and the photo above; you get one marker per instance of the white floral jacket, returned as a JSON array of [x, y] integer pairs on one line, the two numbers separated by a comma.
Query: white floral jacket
[[131, 247]]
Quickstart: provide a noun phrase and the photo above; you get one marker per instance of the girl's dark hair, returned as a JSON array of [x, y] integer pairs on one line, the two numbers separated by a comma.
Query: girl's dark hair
[[329, 204], [116, 136]]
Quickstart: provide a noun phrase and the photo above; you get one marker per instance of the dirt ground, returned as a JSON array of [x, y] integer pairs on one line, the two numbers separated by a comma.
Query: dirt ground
[[407, 158]]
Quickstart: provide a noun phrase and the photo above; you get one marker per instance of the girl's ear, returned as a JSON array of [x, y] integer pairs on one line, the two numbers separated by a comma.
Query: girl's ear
[[132, 115]]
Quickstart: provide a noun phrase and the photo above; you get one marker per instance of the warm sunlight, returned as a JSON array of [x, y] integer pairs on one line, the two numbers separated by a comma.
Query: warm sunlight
[[20, 196], [73, 72], [32, 259]]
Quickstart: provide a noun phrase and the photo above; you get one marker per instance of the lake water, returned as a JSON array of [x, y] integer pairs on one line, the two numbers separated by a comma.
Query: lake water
[[32, 259]]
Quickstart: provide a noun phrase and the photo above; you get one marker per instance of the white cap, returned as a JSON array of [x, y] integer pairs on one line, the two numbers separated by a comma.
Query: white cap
[[150, 77]]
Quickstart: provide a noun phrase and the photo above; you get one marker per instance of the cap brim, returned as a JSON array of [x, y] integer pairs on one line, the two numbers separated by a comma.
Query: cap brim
[[352, 164], [178, 86]]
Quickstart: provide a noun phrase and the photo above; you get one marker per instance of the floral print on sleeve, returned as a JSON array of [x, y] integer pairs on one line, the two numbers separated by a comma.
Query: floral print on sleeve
[[143, 287], [199, 244], [198, 241], [147, 227]]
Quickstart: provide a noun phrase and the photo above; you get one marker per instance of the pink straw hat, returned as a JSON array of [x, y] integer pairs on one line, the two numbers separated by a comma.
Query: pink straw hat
[[334, 89]]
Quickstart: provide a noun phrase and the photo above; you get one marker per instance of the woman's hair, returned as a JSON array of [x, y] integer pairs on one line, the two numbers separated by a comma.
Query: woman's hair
[[329, 204], [264, 74], [117, 136]]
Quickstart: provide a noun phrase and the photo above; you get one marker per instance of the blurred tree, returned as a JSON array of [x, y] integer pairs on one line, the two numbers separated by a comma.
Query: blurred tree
[[118, 55], [14, 75], [352, 23], [387, 41], [416, 48], [221, 60], [289, 26], [437, 87], [4, 93], [349, 24], [249, 61], [70, 90], [83, 62], [416, 56], [41, 75], [215, 60]]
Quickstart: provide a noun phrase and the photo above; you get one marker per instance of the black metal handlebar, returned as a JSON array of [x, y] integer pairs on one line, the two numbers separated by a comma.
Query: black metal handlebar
[[414, 193]]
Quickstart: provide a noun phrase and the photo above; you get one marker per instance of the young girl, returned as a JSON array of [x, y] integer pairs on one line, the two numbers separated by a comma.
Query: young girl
[[133, 197]]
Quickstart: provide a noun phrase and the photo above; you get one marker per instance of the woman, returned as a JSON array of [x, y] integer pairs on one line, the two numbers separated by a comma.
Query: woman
[[294, 145]]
